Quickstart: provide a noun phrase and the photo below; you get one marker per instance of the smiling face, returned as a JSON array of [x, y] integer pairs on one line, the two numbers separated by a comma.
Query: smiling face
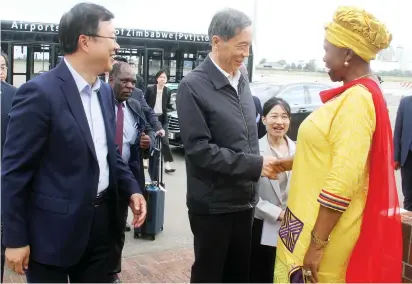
[[101, 48], [231, 53], [277, 122]]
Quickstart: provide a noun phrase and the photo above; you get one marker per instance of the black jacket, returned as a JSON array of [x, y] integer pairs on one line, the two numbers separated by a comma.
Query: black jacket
[[140, 83], [219, 134], [150, 116], [136, 158], [259, 113], [150, 96]]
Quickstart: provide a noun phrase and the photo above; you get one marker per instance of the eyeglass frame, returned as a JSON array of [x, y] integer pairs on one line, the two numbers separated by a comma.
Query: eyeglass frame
[[100, 36]]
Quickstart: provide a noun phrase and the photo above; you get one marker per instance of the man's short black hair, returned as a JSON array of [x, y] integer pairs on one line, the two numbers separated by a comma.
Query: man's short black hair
[[6, 58], [120, 59], [117, 68], [82, 19]]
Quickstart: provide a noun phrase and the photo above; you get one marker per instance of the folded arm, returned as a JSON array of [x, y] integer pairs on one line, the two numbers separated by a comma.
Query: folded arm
[[269, 211]]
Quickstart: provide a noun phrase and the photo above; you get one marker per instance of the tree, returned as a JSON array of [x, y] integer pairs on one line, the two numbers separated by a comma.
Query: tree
[[311, 66], [293, 66], [263, 61], [282, 62]]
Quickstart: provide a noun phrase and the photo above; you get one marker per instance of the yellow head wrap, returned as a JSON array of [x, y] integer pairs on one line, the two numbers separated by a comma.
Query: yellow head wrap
[[358, 30]]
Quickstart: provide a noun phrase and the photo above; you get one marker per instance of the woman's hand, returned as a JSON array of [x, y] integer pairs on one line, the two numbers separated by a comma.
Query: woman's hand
[[281, 215], [312, 261], [287, 163]]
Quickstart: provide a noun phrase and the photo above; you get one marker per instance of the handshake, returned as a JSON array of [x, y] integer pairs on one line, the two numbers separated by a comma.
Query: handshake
[[273, 166]]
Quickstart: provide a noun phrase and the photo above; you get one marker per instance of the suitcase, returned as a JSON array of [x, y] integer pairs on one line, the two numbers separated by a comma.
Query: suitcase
[[155, 197]]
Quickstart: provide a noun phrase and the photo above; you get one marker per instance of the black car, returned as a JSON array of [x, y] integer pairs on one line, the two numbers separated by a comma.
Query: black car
[[303, 99]]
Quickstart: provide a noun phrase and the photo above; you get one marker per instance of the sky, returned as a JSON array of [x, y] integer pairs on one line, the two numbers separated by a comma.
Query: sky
[[290, 30]]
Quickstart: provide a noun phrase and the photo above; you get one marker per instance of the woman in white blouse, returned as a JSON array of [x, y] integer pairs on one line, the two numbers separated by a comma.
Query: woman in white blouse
[[273, 194]]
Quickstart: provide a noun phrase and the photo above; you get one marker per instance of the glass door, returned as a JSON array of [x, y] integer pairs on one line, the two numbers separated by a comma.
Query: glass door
[[19, 63], [153, 62], [40, 59], [134, 56]]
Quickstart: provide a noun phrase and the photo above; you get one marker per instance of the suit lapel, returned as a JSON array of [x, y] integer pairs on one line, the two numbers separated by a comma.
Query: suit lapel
[[107, 124], [164, 99], [74, 100]]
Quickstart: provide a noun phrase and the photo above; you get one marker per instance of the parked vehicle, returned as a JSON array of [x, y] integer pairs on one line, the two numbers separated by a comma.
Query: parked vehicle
[[303, 99]]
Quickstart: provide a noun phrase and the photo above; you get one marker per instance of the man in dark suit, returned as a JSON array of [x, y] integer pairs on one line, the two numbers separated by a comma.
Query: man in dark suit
[[403, 148], [131, 137], [150, 116], [7, 94], [259, 112], [62, 172]]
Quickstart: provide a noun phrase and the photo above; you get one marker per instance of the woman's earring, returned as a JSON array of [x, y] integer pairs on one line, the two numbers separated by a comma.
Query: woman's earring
[[346, 64]]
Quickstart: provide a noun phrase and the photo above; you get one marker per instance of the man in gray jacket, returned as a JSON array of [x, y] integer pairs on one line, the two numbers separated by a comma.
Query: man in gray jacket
[[217, 118]]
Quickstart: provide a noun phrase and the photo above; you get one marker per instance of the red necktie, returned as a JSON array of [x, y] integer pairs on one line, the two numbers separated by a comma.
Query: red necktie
[[119, 126]]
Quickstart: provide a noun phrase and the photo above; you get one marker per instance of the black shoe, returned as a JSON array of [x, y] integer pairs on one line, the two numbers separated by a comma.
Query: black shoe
[[127, 229]]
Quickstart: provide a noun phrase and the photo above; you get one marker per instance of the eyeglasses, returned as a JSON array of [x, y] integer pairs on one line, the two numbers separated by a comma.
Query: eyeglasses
[[3, 68], [114, 38]]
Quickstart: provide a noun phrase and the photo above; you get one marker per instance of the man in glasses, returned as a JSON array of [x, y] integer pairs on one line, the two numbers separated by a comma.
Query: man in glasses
[[62, 171]]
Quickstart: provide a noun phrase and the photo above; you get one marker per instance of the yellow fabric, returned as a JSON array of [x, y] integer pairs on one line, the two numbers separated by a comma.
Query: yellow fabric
[[358, 30], [332, 155]]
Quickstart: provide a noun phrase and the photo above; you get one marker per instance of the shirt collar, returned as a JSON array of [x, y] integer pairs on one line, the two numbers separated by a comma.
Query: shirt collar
[[80, 81], [227, 75]]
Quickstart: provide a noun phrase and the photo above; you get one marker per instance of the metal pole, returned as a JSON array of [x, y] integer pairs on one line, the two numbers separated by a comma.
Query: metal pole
[[254, 41]]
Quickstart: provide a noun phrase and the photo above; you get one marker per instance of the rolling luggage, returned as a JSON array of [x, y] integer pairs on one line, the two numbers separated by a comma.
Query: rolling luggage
[[155, 196]]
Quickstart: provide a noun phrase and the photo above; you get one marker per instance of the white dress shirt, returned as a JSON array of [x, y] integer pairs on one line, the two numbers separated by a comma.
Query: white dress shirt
[[233, 79], [158, 109], [129, 132], [94, 115]]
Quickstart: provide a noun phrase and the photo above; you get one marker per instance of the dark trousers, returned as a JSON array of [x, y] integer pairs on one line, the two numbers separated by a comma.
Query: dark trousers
[[115, 260], [262, 258], [166, 151], [406, 173], [90, 267], [222, 247]]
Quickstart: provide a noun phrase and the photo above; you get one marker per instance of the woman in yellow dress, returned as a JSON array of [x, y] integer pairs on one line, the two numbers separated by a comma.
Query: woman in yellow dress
[[342, 221]]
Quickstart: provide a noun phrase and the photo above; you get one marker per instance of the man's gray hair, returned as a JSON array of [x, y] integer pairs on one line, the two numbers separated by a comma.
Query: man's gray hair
[[228, 23]]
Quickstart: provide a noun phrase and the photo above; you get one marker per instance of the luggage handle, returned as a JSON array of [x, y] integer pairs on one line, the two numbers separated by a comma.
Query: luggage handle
[[158, 145]]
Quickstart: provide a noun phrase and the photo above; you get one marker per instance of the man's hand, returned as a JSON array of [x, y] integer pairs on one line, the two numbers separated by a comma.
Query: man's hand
[[161, 133], [138, 206], [397, 166], [269, 167], [144, 141], [17, 259]]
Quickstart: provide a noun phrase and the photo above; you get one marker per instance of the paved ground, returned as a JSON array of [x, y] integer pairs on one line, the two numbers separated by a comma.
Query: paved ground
[[171, 266], [169, 257]]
